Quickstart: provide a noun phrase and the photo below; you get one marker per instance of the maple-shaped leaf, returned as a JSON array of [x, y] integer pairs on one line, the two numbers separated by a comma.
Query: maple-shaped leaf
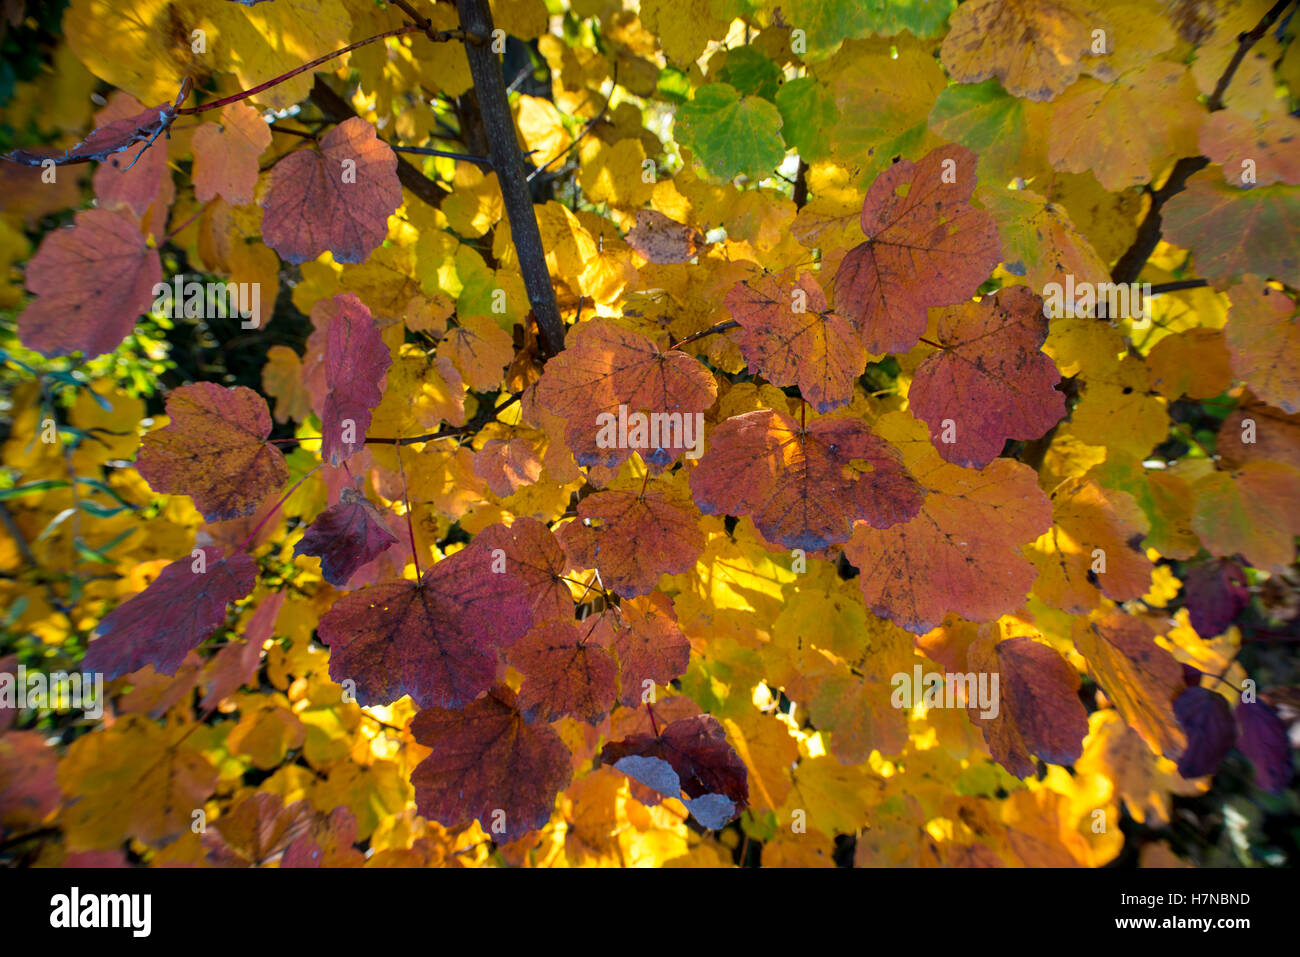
[[1253, 511], [790, 336], [1252, 150], [116, 136], [926, 246], [1215, 592], [136, 778], [1206, 719], [661, 240], [565, 672], [805, 485], [991, 381], [1233, 231], [487, 761], [356, 366], [1262, 737], [605, 375], [530, 552], [633, 537], [257, 831], [328, 842], [479, 349], [691, 757], [345, 536], [1139, 677], [92, 281], [1263, 340], [507, 465], [961, 552], [1093, 548], [436, 640], [182, 607], [214, 450], [226, 154], [650, 647], [336, 199], [1035, 47], [1039, 711]]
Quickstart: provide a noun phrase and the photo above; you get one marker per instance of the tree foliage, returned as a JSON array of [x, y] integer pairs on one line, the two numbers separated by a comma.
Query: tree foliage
[[738, 432]]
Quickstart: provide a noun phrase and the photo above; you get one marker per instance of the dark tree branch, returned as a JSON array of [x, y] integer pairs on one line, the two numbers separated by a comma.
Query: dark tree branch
[[503, 147], [1129, 266], [1244, 43]]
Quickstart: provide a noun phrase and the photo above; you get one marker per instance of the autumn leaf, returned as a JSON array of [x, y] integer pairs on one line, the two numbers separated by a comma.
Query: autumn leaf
[[1036, 48], [356, 363], [1206, 720], [488, 763], [634, 537], [961, 551], [604, 368], [790, 336], [645, 638], [183, 606], [436, 640], [691, 757], [661, 240], [565, 672], [1039, 711], [805, 485], [214, 449], [991, 364], [351, 186], [226, 155], [92, 281], [346, 536], [1139, 677], [926, 246]]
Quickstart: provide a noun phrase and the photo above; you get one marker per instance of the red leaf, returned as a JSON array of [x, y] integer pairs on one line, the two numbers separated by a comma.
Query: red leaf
[[335, 199], [487, 761], [356, 364], [1039, 709], [345, 536], [805, 486], [436, 640], [226, 154], [925, 247], [690, 756], [991, 381], [603, 367], [183, 606], [643, 634], [214, 450], [532, 554], [564, 673], [634, 537], [92, 281], [812, 348], [140, 182]]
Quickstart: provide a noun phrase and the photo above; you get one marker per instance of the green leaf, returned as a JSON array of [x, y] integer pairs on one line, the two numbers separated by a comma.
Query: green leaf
[[809, 113], [31, 488], [751, 73], [828, 23], [986, 118], [731, 135]]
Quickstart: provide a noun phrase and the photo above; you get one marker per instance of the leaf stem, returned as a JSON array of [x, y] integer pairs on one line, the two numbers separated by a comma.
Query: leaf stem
[[278, 505], [410, 525], [275, 81]]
